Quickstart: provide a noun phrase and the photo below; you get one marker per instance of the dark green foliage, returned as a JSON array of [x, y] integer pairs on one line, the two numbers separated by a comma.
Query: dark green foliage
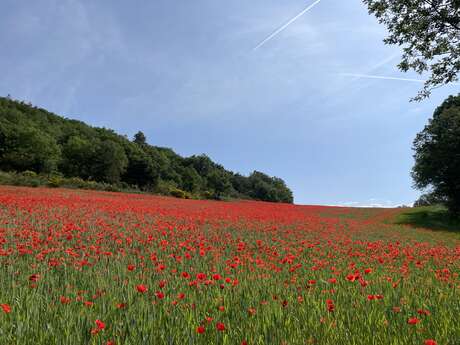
[[110, 162], [70, 153], [27, 148], [264, 187], [430, 199], [437, 154], [428, 31], [77, 157], [140, 139]]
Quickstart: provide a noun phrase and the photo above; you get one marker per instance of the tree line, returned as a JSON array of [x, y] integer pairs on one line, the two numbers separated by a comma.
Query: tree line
[[33, 139]]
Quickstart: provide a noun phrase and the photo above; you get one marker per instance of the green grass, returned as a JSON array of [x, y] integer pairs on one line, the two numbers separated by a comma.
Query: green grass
[[434, 218]]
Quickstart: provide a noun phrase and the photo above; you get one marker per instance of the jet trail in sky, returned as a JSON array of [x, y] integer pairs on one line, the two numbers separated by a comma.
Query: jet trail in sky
[[381, 77], [277, 31]]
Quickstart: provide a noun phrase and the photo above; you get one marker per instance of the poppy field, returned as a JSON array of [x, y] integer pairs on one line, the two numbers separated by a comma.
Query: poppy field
[[85, 267]]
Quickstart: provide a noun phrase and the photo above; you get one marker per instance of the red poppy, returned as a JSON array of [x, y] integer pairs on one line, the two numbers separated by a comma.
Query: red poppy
[[34, 277], [99, 324], [220, 326], [64, 300], [131, 267], [200, 329], [330, 305], [6, 308], [159, 294], [99, 327], [413, 321], [201, 276], [430, 342], [141, 288]]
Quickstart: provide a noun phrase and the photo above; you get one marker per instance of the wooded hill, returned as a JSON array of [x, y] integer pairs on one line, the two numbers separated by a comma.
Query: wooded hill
[[34, 140]]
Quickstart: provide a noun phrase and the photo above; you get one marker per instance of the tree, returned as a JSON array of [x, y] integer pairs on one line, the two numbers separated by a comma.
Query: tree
[[429, 31], [429, 199], [110, 162], [140, 139], [27, 148], [78, 155], [437, 154], [191, 181], [219, 181], [141, 170]]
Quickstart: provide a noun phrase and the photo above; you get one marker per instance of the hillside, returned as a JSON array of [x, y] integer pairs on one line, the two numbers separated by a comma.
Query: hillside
[[33, 139], [119, 268]]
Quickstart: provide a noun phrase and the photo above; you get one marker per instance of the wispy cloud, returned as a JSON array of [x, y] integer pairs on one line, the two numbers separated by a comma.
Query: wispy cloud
[[370, 76], [371, 203], [283, 27]]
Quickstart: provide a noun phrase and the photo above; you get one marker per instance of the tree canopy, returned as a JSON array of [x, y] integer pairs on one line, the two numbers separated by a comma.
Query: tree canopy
[[33, 139], [429, 32], [437, 155]]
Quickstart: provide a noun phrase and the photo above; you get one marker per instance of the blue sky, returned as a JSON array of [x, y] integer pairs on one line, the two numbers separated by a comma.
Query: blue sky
[[185, 72]]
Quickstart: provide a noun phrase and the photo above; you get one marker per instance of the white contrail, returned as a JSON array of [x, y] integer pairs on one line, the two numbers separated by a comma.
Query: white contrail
[[368, 76], [277, 31]]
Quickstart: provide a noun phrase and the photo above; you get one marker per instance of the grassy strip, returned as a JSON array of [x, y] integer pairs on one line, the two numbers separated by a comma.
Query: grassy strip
[[434, 218]]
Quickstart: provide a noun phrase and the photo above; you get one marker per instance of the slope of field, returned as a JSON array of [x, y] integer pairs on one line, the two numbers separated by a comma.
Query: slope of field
[[80, 267]]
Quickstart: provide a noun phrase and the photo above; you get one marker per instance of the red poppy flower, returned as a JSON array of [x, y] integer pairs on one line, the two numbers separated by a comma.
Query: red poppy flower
[[64, 300], [6, 308], [430, 342], [413, 321], [220, 326], [141, 288], [200, 329], [330, 305], [34, 277], [99, 327], [160, 295], [131, 267], [201, 276], [99, 324]]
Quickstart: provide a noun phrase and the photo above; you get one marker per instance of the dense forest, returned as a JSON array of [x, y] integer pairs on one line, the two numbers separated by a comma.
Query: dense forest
[[35, 141]]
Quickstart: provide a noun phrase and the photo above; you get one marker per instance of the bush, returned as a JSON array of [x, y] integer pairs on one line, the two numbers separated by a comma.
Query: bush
[[55, 181], [179, 193]]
